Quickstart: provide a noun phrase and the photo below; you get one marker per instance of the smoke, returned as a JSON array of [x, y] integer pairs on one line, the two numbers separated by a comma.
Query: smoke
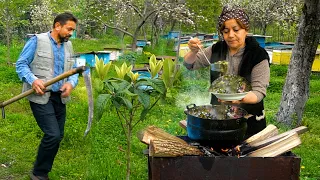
[[193, 97]]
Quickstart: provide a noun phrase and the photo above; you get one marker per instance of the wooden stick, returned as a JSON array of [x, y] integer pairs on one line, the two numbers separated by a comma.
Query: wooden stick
[[183, 124], [48, 83], [153, 133], [278, 147], [269, 131], [245, 149], [298, 130], [169, 148]]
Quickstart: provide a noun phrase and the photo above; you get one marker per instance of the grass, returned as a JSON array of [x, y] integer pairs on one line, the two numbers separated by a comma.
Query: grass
[[101, 155]]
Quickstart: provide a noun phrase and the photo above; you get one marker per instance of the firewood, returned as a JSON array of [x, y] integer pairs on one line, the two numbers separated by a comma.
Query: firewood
[[269, 131], [278, 147], [247, 148], [169, 148], [183, 124], [247, 145], [298, 130], [153, 133]]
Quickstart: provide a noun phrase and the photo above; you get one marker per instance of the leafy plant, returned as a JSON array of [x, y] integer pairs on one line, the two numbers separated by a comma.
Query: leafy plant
[[123, 70], [132, 98], [170, 74], [155, 66], [101, 68]]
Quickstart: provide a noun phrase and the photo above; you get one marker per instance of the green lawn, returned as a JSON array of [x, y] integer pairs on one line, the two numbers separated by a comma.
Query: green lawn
[[101, 155]]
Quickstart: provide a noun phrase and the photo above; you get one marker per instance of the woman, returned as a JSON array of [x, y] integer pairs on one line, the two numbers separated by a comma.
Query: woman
[[245, 58]]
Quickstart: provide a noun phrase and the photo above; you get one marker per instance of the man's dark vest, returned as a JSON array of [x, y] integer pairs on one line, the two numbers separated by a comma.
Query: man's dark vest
[[253, 55]]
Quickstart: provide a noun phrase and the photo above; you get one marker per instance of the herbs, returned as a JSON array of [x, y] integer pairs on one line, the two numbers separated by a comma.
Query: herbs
[[229, 84]]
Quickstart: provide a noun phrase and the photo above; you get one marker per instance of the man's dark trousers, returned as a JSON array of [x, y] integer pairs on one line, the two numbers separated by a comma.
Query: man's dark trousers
[[51, 119]]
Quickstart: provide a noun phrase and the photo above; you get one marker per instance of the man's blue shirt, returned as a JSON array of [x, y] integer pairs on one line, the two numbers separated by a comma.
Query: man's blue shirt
[[27, 55]]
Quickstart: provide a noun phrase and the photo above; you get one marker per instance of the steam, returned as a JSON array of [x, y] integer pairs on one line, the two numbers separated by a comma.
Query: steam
[[193, 97]]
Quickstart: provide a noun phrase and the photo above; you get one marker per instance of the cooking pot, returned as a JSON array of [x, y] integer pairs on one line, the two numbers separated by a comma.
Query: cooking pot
[[216, 123]]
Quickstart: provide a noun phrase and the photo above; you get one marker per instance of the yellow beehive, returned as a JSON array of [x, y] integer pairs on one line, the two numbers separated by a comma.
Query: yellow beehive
[[316, 62], [285, 57], [183, 50], [276, 57]]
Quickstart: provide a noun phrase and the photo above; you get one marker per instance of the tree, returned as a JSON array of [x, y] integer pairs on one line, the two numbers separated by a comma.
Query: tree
[[10, 18], [132, 97], [207, 12], [41, 16], [296, 88], [130, 16], [265, 12]]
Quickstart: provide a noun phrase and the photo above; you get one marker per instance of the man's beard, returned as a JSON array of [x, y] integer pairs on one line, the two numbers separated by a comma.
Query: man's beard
[[64, 39]]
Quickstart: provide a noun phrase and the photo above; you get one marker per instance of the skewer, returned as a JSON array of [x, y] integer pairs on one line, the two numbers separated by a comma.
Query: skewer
[[203, 53]]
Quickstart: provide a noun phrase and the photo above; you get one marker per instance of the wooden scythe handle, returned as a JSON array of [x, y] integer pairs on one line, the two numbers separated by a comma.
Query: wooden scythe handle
[[48, 83]]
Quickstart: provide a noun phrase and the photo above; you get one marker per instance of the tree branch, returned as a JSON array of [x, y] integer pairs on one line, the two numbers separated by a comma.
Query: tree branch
[[135, 8], [121, 30]]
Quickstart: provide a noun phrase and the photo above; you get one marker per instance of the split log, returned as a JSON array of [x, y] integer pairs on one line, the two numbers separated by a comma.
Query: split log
[[298, 130], [247, 148], [183, 124], [155, 133], [169, 148], [278, 147], [247, 145], [269, 131]]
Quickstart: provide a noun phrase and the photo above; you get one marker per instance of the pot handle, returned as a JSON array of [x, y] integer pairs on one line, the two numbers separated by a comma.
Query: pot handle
[[190, 106]]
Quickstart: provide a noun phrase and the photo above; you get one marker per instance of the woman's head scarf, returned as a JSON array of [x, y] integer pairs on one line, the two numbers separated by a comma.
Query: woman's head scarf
[[233, 13]]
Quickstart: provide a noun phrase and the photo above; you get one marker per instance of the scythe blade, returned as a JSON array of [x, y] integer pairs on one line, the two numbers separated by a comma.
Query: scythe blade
[[87, 79]]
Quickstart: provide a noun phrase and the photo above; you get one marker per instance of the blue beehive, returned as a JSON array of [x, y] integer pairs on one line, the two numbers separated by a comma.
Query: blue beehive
[[141, 43], [261, 40], [89, 57], [144, 74], [105, 55], [200, 36], [173, 34]]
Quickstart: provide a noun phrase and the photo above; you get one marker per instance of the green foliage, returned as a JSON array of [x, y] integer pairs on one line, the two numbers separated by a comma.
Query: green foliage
[[124, 92], [123, 70], [101, 68], [279, 70], [15, 50], [84, 45], [276, 86], [133, 58], [209, 9], [170, 73], [163, 47], [131, 97], [155, 66], [8, 74]]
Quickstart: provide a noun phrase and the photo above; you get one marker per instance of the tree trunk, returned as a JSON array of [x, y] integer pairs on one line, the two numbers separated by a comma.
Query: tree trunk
[[296, 89], [264, 28], [128, 151], [135, 35], [8, 34]]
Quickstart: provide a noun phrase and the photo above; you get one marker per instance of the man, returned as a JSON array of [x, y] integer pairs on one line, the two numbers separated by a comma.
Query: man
[[44, 57]]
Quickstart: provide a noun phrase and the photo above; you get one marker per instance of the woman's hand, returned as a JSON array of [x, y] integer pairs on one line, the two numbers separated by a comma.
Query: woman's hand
[[194, 44], [250, 98]]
